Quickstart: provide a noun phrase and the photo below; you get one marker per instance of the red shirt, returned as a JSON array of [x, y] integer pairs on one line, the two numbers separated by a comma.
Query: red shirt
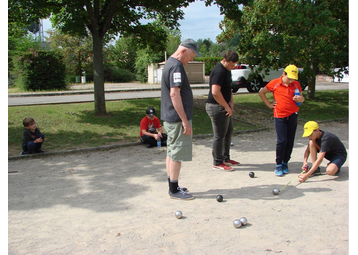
[[283, 96], [146, 124]]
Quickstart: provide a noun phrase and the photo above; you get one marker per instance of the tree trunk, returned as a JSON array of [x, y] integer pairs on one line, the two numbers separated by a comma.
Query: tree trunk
[[311, 88], [98, 76], [79, 64], [312, 84]]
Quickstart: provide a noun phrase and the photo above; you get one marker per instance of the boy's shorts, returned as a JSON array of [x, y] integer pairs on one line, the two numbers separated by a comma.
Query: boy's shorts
[[337, 160], [179, 146]]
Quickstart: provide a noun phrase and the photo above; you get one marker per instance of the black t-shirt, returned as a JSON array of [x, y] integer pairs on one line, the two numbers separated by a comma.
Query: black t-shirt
[[331, 145], [220, 76]]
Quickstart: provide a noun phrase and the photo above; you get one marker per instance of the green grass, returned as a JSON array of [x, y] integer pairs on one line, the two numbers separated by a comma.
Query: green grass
[[70, 126]]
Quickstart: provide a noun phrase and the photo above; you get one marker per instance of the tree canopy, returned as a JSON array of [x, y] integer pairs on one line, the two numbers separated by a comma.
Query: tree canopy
[[107, 18], [103, 19], [311, 34]]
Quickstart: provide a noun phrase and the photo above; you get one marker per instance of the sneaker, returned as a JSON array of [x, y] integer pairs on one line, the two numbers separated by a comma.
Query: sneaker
[[284, 168], [231, 163], [317, 172], [278, 170], [223, 167], [24, 153], [183, 189], [39, 151], [181, 195]]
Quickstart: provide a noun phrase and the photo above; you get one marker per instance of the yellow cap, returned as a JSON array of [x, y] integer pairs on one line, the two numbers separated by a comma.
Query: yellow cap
[[292, 72], [309, 127]]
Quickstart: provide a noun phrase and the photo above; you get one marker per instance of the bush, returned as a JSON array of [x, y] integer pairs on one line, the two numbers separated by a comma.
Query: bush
[[210, 63], [70, 78], [114, 74], [42, 70], [144, 58]]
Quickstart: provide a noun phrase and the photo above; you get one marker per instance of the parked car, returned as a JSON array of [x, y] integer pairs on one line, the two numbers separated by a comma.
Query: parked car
[[240, 76]]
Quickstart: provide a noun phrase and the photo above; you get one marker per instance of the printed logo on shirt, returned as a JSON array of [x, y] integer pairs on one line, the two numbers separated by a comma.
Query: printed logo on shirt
[[151, 128], [177, 77]]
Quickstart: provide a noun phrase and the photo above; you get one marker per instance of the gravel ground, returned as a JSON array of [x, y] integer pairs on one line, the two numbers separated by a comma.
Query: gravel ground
[[116, 202]]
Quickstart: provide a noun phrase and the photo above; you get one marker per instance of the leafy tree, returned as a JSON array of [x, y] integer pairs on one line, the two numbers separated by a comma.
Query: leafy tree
[[217, 50], [127, 52], [123, 53], [208, 48], [76, 51], [310, 34], [103, 19], [110, 17], [204, 45], [144, 58], [230, 29], [174, 36], [19, 42], [231, 8], [233, 42], [106, 18]]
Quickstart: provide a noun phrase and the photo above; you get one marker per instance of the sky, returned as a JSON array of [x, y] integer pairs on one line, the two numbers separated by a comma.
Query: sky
[[199, 22]]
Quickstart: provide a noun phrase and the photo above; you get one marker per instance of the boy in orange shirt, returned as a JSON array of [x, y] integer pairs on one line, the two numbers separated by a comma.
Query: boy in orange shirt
[[285, 112]]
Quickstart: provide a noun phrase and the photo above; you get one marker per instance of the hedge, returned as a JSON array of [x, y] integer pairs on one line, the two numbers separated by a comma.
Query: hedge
[[210, 63], [42, 70]]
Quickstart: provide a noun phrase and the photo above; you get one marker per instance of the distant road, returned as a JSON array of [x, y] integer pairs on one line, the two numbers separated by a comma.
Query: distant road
[[81, 98], [119, 92]]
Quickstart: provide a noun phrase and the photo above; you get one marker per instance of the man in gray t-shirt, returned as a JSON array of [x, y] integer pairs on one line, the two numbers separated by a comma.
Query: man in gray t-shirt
[[176, 111], [174, 75]]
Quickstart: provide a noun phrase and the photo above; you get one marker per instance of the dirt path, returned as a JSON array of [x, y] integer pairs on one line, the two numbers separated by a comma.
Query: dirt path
[[116, 202]]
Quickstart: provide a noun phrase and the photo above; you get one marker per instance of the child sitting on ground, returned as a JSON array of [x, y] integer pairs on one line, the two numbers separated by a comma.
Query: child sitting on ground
[[151, 130], [32, 138]]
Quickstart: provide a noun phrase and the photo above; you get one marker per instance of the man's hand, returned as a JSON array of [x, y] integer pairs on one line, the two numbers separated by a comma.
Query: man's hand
[[229, 111], [187, 128], [303, 177]]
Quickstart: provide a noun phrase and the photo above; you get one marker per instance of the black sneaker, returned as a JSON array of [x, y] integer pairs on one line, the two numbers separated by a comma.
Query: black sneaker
[[315, 173], [183, 189], [181, 195], [24, 153]]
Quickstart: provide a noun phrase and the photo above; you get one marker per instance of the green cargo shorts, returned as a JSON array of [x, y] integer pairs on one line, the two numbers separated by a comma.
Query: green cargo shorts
[[179, 146]]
